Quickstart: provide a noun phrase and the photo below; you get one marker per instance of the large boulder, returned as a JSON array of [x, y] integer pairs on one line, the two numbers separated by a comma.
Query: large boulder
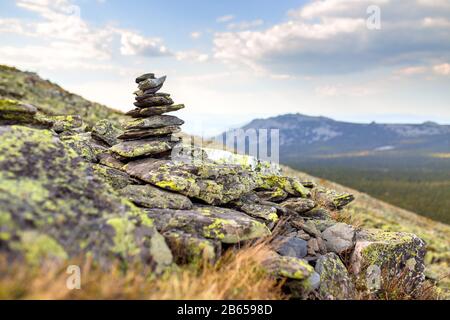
[[53, 205], [212, 183], [335, 281], [388, 255]]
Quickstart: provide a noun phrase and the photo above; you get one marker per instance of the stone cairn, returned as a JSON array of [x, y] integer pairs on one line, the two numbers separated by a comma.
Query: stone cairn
[[151, 132]]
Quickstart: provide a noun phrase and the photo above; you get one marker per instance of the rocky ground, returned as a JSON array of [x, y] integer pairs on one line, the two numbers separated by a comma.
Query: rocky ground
[[70, 189]]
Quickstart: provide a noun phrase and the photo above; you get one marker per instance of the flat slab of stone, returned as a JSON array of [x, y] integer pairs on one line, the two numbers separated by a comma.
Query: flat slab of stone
[[12, 112], [331, 199], [148, 196], [212, 183], [144, 147], [148, 83], [299, 205], [157, 121], [10, 106], [225, 225], [134, 134], [145, 76], [249, 204], [154, 101], [150, 95], [151, 111]]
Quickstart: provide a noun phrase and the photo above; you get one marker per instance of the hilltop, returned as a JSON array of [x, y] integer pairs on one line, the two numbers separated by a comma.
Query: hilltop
[[65, 192], [50, 98]]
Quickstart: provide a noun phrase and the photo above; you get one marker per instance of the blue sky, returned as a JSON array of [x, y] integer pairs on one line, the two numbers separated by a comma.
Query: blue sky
[[232, 61]]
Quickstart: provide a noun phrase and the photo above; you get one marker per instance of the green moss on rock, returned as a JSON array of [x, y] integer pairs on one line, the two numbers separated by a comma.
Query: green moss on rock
[[49, 194]]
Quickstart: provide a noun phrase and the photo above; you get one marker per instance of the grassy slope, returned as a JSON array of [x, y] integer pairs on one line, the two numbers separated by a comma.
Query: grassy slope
[[49, 97], [419, 182]]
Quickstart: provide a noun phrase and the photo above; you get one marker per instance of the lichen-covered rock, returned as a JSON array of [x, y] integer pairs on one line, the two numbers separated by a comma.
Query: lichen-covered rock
[[65, 123], [189, 248], [152, 111], [154, 122], [225, 225], [298, 205], [318, 214], [148, 196], [52, 205], [145, 133], [290, 185], [115, 178], [104, 130], [213, 183], [12, 111], [272, 195], [84, 145], [106, 159], [249, 204], [144, 147], [339, 238], [335, 282], [397, 253], [300, 289], [331, 199], [288, 267]]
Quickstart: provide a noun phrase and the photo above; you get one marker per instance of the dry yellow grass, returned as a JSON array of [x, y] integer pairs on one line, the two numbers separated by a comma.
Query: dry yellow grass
[[237, 275]]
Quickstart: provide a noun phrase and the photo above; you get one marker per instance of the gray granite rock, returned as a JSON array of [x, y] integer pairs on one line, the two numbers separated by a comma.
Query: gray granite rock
[[339, 237]]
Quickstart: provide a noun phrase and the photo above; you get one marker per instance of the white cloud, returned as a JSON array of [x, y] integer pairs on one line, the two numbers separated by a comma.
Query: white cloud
[[12, 26], [435, 3], [410, 71], [245, 25], [442, 69], [192, 56], [68, 41], [133, 44], [195, 35], [225, 18], [345, 90], [331, 37], [436, 22]]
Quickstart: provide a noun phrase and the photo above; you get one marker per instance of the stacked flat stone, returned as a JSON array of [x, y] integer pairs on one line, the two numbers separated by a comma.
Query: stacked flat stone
[[150, 134]]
